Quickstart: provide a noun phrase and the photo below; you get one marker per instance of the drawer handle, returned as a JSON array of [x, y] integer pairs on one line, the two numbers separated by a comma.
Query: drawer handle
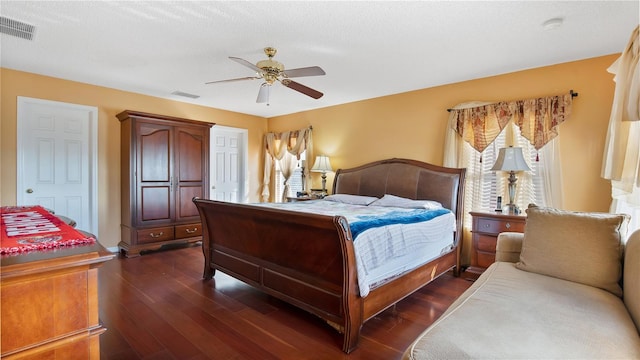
[[189, 231], [507, 225], [155, 236], [487, 225]]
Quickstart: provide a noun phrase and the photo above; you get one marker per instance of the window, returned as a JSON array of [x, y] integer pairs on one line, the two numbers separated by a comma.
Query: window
[[487, 185], [295, 182]]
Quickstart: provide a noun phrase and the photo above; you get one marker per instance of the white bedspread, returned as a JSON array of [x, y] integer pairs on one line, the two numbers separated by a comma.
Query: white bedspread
[[385, 252]]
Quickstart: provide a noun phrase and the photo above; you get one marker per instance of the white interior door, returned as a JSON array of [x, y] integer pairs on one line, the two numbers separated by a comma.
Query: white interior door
[[228, 164], [57, 156]]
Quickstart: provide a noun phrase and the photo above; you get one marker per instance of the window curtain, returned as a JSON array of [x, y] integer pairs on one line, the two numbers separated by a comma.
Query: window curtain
[[284, 147], [538, 119], [479, 123], [533, 123], [621, 160]]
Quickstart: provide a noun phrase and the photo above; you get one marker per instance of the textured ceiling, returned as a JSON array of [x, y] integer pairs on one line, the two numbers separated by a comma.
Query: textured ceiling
[[368, 49]]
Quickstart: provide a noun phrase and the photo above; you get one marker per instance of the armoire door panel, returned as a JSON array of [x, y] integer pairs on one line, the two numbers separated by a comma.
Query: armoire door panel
[[155, 154], [190, 155], [155, 203], [186, 207]]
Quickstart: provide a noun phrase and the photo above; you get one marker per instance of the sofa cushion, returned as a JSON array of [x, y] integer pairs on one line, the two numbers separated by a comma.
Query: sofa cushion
[[513, 314], [631, 278], [509, 246], [582, 247]]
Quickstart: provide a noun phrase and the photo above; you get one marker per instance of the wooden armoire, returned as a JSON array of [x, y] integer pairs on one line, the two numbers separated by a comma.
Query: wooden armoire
[[164, 165]]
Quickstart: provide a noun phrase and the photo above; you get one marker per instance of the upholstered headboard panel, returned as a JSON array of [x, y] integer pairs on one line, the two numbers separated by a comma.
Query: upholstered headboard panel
[[407, 178]]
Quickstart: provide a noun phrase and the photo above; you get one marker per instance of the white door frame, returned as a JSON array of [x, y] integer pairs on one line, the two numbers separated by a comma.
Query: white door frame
[[23, 102], [243, 155]]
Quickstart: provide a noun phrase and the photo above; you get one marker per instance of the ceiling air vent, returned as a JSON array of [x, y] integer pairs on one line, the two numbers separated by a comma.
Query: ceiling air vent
[[16, 28], [180, 93]]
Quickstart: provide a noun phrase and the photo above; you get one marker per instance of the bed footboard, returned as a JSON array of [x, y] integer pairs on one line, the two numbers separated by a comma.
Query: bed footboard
[[304, 259]]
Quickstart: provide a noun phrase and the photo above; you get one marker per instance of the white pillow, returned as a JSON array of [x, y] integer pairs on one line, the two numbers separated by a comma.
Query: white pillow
[[351, 199], [397, 201]]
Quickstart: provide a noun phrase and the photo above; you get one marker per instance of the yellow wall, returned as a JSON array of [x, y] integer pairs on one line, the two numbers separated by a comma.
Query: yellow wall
[[412, 125], [409, 125], [109, 103]]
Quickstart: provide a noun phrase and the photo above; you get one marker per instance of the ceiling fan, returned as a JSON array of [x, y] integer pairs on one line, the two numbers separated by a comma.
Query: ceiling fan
[[271, 71]]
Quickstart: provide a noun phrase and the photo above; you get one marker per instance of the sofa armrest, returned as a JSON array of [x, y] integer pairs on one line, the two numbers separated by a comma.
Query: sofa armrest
[[509, 246], [631, 277]]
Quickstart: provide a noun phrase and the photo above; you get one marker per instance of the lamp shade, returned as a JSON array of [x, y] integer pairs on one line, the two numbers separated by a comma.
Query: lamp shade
[[510, 159], [322, 164]]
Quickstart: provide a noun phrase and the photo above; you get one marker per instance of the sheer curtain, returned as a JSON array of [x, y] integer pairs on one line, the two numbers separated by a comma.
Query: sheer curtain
[[542, 185], [477, 130], [284, 147], [621, 160]]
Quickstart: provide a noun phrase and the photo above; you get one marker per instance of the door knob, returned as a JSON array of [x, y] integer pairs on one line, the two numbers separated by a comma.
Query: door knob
[[29, 191]]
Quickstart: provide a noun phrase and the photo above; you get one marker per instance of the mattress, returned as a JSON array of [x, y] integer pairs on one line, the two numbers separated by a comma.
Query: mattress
[[388, 241]]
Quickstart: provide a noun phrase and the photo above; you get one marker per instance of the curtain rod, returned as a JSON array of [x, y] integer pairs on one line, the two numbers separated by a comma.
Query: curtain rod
[[573, 94]]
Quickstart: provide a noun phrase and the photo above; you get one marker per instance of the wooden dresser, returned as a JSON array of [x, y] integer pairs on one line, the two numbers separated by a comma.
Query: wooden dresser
[[49, 303], [164, 165], [485, 229]]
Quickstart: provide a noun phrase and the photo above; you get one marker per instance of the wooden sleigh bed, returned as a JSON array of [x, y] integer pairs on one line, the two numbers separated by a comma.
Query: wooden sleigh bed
[[308, 260]]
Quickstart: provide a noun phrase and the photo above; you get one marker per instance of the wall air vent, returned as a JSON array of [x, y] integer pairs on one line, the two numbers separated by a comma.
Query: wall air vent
[[16, 28], [180, 93]]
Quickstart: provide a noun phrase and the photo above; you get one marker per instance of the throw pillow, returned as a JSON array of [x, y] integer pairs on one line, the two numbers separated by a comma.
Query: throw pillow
[[351, 199], [577, 246], [397, 201]]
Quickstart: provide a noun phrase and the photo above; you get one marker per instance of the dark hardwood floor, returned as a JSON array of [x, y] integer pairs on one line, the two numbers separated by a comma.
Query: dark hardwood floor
[[157, 306]]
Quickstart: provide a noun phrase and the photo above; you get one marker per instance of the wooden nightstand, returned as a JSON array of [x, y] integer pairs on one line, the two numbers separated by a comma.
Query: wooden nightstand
[[485, 229]]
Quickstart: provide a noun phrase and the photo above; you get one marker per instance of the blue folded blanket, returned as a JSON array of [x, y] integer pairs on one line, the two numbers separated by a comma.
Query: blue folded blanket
[[394, 217]]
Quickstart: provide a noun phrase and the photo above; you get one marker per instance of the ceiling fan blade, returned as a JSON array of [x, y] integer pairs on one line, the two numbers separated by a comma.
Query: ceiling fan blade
[[263, 94], [301, 88], [305, 71], [246, 63], [236, 79]]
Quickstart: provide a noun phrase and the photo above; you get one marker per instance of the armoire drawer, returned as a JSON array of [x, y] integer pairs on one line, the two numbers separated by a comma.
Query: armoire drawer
[[189, 230], [155, 234]]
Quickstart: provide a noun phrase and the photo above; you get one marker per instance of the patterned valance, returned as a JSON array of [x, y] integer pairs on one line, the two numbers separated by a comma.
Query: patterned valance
[[480, 123], [295, 142], [285, 147]]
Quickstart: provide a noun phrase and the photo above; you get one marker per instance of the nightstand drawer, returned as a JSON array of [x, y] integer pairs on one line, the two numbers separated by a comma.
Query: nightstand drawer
[[491, 226], [485, 259], [187, 231], [486, 228], [486, 243]]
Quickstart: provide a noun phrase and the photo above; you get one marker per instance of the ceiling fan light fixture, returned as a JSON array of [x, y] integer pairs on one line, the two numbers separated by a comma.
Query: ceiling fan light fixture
[[263, 94]]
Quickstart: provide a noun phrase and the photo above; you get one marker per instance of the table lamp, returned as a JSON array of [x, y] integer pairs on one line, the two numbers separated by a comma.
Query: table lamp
[[510, 159], [322, 165]]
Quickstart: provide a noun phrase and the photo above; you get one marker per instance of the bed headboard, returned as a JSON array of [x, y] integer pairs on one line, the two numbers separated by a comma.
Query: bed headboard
[[407, 178]]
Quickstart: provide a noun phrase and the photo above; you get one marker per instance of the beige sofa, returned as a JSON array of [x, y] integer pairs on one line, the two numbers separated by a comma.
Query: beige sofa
[[554, 293]]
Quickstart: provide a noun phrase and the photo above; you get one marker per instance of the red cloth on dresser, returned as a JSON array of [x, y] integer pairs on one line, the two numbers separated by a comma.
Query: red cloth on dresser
[[26, 228]]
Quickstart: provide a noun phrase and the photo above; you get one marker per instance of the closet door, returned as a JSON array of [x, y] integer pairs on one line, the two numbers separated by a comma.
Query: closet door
[[154, 172]]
